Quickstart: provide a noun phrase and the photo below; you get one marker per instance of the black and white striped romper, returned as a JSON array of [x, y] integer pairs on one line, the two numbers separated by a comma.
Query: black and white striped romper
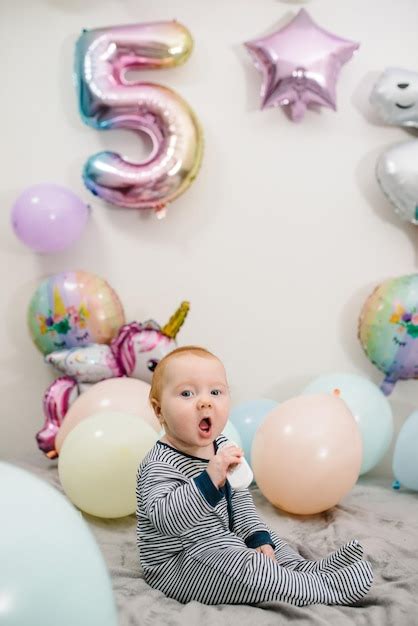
[[197, 542]]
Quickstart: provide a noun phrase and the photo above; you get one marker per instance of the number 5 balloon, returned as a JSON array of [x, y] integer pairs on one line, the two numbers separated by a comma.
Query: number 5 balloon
[[108, 100]]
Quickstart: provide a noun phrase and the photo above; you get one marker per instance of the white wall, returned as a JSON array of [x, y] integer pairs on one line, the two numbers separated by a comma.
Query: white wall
[[278, 241]]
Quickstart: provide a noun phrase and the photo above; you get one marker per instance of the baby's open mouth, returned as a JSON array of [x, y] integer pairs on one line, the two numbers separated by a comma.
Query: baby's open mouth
[[205, 425]]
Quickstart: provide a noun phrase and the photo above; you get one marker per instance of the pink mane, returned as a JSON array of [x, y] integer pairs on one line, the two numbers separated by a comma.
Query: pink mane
[[123, 346]]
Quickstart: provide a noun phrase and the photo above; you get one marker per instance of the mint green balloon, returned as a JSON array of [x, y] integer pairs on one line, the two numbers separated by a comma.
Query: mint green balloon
[[369, 407], [405, 456], [232, 434], [52, 571]]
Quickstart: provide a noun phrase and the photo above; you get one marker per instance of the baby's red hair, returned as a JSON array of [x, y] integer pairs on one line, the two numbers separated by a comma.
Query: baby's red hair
[[157, 379]]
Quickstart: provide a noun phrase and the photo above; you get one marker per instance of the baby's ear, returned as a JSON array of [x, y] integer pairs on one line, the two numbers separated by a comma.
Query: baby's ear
[[156, 406]]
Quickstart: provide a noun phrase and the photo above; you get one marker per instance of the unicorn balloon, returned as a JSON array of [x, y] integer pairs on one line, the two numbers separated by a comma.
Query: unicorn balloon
[[388, 329], [134, 352], [395, 98]]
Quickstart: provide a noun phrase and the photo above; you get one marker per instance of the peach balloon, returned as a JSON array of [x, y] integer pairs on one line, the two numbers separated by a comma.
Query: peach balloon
[[307, 454], [126, 395]]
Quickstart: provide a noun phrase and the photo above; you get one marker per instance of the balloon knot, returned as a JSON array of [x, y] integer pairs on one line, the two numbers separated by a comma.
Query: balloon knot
[[160, 211]]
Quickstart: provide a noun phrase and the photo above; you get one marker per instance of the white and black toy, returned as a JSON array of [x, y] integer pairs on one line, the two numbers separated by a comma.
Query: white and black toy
[[241, 475]]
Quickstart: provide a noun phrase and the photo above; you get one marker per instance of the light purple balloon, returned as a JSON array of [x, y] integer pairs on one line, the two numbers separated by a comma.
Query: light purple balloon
[[48, 217]]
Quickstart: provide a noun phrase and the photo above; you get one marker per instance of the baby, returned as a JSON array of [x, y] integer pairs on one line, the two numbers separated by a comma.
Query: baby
[[202, 540]]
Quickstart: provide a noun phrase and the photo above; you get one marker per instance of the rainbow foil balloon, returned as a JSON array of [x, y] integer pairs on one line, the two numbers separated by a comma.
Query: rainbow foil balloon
[[388, 329], [74, 309], [109, 100]]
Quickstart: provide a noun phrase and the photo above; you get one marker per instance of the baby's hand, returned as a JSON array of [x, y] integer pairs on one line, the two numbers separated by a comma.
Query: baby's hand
[[267, 549], [218, 466]]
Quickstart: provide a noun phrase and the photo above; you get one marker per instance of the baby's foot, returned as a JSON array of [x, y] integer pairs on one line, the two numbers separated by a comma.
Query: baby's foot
[[348, 584], [346, 555]]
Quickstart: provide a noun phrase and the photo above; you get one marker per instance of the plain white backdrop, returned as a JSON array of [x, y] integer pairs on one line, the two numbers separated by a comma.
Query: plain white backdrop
[[278, 241]]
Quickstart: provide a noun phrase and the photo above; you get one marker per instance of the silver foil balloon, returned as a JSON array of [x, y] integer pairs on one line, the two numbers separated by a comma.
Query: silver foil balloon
[[395, 99], [397, 174]]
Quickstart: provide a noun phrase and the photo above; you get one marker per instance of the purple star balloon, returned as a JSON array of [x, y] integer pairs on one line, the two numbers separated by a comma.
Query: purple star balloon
[[300, 64]]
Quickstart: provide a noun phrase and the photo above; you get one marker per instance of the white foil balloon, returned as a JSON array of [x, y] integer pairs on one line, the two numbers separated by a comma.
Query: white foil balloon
[[397, 175], [395, 99]]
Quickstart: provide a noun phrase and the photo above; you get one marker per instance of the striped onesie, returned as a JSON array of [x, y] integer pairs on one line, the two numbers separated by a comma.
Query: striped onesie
[[197, 542]]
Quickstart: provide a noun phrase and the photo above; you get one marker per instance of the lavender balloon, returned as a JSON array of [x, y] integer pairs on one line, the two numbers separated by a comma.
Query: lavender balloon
[[48, 218]]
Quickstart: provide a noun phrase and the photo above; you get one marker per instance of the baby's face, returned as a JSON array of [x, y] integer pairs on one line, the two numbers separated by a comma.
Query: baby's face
[[194, 401]]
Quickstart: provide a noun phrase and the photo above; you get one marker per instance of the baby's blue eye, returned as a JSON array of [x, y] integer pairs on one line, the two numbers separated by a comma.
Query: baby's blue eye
[[216, 392], [186, 393]]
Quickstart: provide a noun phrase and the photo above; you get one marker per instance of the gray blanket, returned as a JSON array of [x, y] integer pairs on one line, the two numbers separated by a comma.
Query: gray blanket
[[385, 521]]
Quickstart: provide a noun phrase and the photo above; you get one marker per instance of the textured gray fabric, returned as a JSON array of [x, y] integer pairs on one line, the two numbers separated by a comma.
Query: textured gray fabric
[[385, 521]]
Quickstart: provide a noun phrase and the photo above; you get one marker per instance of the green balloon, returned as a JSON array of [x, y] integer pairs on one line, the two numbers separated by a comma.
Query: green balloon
[[52, 571]]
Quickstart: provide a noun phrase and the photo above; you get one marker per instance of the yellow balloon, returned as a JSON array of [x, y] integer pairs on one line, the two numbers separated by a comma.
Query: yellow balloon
[[307, 453], [99, 459]]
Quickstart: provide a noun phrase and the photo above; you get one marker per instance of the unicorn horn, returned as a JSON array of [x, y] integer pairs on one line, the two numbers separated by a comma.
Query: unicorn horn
[[176, 321], [59, 306]]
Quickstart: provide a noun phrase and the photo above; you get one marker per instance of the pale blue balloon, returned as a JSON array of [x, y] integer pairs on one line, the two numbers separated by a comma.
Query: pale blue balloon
[[52, 571], [405, 456], [247, 417], [232, 433], [370, 408]]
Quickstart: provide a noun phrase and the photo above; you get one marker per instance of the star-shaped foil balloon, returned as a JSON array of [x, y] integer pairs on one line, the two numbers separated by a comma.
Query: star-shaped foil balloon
[[300, 64]]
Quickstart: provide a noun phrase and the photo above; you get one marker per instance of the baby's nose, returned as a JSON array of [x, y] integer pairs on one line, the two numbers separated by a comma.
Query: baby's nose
[[204, 402]]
